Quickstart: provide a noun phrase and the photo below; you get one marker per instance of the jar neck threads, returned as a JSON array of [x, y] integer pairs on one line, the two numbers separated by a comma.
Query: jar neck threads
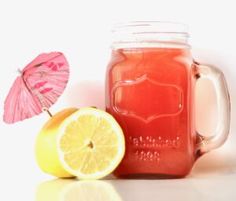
[[150, 34]]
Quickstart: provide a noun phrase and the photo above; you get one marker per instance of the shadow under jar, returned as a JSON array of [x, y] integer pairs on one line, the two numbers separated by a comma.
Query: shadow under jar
[[150, 87]]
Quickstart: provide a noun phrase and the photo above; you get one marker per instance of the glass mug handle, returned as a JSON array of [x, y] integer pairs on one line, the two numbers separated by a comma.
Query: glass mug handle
[[207, 143]]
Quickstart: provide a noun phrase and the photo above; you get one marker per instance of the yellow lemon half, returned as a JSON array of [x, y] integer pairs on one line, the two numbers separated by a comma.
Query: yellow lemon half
[[90, 143], [87, 143]]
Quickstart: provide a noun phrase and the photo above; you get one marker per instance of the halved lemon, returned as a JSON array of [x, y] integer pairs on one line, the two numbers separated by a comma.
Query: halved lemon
[[90, 143]]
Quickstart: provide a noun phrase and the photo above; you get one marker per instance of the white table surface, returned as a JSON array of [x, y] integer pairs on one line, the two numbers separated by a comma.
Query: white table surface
[[210, 189], [213, 178]]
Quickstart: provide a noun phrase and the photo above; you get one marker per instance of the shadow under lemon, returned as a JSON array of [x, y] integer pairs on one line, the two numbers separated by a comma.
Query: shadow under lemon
[[73, 190]]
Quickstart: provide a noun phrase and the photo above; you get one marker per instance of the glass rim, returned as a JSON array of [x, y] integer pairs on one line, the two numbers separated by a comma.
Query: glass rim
[[161, 27]]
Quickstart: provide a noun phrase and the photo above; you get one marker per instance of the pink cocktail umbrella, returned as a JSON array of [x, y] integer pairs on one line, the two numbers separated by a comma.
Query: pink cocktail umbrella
[[37, 87]]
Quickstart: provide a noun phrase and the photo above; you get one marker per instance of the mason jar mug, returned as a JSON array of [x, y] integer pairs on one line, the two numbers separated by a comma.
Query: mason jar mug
[[150, 87]]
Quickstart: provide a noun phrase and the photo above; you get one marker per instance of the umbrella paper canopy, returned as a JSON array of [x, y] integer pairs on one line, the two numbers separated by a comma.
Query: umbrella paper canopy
[[38, 87]]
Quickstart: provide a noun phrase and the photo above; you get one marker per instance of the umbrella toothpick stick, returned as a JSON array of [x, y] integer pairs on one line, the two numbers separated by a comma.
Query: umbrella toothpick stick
[[47, 110]]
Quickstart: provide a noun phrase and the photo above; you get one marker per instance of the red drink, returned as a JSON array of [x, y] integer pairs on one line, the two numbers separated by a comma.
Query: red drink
[[149, 95]]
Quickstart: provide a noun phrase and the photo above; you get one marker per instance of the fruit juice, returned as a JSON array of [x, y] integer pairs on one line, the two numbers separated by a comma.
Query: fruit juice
[[149, 92]]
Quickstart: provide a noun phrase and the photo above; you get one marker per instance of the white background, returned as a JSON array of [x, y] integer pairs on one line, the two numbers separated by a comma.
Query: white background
[[81, 30]]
